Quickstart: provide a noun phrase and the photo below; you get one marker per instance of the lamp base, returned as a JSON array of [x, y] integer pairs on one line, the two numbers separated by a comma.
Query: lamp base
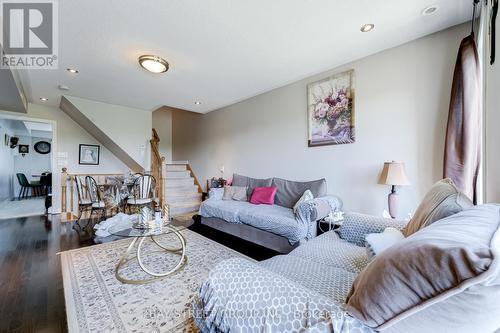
[[392, 200]]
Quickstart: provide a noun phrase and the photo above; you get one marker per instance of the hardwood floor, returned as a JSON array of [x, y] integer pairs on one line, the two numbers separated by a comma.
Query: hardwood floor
[[31, 287]]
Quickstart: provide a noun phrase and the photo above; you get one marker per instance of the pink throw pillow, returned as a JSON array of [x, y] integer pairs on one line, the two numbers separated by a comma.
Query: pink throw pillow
[[263, 195]]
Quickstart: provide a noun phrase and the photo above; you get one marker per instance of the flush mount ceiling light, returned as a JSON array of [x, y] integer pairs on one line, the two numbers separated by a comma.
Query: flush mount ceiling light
[[430, 10], [72, 70], [367, 27], [153, 64], [44, 99], [197, 102]]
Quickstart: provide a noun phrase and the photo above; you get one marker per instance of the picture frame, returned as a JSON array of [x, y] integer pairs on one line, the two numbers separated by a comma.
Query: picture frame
[[23, 149], [330, 110], [89, 154], [42, 147]]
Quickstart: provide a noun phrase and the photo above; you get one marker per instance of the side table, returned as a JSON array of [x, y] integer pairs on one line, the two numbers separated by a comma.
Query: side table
[[326, 224]]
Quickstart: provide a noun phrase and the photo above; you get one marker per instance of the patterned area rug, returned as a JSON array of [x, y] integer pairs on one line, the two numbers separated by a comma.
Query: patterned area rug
[[97, 302]]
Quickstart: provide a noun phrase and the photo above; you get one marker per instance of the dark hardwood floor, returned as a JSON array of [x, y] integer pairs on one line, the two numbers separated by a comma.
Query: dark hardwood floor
[[31, 287]]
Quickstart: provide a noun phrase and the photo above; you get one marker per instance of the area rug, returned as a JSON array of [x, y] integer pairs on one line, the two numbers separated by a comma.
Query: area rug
[[21, 208], [97, 302]]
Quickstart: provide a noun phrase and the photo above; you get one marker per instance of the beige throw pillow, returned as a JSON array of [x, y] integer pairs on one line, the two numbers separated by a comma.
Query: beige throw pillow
[[238, 193], [442, 200]]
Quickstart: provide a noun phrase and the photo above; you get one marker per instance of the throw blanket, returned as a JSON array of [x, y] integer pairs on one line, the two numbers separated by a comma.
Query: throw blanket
[[241, 296], [101, 229], [316, 209]]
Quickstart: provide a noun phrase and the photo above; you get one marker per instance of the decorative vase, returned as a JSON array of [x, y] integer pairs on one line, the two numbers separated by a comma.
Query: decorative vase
[[166, 213], [144, 218]]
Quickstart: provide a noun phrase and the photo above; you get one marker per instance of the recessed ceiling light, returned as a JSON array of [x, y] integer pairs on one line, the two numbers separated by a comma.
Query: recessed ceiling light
[[367, 27], [72, 70], [154, 64], [44, 99], [430, 10], [197, 102]]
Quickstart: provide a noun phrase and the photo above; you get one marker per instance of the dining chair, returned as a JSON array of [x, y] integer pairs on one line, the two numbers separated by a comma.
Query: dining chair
[[84, 202], [97, 205], [143, 192], [26, 186], [46, 183]]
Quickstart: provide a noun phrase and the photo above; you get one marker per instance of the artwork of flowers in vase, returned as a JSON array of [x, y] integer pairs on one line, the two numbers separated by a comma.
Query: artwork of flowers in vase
[[331, 110]]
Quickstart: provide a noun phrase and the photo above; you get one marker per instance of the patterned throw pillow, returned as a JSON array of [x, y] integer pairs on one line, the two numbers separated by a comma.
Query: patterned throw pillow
[[305, 197], [238, 193]]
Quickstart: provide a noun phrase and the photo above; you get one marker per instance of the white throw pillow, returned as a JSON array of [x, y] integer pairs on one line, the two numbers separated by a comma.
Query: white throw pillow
[[379, 242], [305, 197]]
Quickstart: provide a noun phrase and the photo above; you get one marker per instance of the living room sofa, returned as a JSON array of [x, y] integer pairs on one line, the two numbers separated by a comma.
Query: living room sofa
[[273, 226], [443, 277]]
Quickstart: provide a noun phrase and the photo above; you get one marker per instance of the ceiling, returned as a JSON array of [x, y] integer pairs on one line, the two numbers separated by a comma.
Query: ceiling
[[220, 51], [27, 128]]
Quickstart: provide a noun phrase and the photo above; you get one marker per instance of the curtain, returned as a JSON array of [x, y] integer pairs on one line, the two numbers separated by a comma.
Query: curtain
[[463, 147]]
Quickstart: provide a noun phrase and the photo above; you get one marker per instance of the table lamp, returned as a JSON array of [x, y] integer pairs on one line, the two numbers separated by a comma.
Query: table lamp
[[393, 174]]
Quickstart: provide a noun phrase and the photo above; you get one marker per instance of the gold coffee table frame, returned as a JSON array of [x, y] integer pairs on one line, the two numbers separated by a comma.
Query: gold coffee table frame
[[140, 239]]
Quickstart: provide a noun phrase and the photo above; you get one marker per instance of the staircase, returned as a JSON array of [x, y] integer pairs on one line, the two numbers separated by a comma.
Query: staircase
[[182, 190]]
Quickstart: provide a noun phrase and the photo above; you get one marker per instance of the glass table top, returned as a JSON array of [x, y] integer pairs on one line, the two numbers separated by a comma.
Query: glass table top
[[127, 229]]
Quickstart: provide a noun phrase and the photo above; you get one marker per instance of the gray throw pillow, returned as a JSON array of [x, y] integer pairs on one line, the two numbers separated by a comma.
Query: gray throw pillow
[[289, 192], [442, 200], [445, 277], [250, 183], [238, 193]]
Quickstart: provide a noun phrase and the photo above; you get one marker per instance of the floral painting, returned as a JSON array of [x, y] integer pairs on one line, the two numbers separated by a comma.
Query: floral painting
[[331, 110]]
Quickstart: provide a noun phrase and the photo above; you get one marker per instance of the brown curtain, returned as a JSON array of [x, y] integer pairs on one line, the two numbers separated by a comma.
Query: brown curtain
[[462, 156]]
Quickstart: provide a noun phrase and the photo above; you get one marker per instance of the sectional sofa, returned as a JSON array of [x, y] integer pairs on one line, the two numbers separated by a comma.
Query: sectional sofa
[[276, 226], [444, 276]]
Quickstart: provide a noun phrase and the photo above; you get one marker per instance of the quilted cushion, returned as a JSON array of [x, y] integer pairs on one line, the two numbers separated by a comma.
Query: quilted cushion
[[444, 278], [356, 226], [227, 210], [329, 249], [277, 220], [289, 192]]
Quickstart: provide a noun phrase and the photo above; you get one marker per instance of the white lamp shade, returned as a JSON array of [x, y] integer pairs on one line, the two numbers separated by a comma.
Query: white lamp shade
[[394, 173]]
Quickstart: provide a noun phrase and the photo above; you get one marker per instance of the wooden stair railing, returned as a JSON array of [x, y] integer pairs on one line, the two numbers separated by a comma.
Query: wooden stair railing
[[196, 182], [158, 169], [69, 195]]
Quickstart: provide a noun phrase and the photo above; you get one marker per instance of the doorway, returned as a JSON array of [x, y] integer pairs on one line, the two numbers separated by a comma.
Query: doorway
[[26, 166]]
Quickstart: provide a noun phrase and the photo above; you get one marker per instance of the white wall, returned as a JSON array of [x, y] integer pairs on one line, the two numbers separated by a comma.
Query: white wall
[[67, 139], [162, 123], [32, 163], [401, 107], [69, 136], [129, 128], [6, 163]]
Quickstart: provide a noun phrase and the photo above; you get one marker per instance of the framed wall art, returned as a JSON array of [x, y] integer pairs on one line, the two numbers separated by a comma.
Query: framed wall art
[[89, 154], [331, 110]]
